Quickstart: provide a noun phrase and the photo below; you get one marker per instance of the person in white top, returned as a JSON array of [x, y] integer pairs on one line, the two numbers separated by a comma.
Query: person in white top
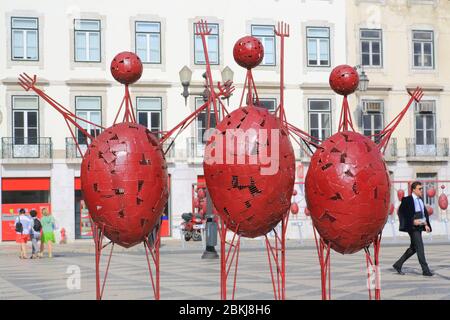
[[23, 225]]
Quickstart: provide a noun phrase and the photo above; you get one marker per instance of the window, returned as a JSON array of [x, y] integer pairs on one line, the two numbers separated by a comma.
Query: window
[[24, 39], [425, 125], [371, 47], [266, 34], [25, 120], [149, 113], [88, 108], [212, 44], [319, 118], [148, 41], [372, 118], [87, 40], [423, 49], [202, 119], [268, 103], [427, 183], [318, 46]]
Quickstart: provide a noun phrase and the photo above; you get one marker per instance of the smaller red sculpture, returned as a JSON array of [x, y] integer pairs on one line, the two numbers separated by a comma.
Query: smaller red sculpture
[[391, 209], [344, 80], [307, 212], [443, 200], [248, 52], [431, 192], [429, 210], [126, 67], [294, 208]]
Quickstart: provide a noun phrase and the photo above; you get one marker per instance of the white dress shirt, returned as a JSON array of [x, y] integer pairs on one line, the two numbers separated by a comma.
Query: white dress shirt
[[419, 207]]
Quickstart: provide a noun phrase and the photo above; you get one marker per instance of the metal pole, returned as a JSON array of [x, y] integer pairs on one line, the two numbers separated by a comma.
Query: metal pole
[[210, 231]]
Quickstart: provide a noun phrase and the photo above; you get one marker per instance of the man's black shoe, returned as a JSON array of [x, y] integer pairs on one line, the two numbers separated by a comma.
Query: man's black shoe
[[428, 274], [398, 269]]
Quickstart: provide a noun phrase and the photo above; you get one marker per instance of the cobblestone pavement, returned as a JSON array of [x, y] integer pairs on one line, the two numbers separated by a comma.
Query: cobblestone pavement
[[184, 275]]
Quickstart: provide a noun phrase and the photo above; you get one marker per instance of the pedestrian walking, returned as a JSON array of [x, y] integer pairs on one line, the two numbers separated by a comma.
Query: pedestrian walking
[[35, 234], [48, 231], [23, 229]]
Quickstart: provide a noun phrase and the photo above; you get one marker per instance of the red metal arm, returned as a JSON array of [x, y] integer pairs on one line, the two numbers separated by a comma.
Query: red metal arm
[[385, 135], [28, 83], [282, 31]]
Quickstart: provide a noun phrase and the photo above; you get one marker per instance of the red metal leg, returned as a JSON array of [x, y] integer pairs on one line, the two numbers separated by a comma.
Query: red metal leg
[[323, 252], [373, 268], [228, 256], [276, 254], [153, 250]]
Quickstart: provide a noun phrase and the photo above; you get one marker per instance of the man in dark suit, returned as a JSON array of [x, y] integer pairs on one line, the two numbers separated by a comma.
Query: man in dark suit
[[414, 219]]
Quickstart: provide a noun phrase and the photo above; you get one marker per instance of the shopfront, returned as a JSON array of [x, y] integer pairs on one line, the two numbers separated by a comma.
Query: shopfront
[[22, 193]]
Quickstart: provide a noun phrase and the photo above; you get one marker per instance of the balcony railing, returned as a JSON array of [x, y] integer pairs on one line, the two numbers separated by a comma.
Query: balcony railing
[[72, 150], [440, 149], [391, 150], [170, 155], [26, 148], [194, 148]]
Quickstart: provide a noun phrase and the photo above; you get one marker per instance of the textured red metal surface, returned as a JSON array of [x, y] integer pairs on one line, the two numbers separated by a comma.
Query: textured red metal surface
[[248, 52], [251, 203], [126, 67], [347, 191], [344, 80], [124, 182]]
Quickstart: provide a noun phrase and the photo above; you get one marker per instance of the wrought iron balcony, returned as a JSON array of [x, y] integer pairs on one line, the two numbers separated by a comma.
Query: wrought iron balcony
[[439, 149], [170, 155], [72, 151], [391, 150], [194, 148], [27, 148]]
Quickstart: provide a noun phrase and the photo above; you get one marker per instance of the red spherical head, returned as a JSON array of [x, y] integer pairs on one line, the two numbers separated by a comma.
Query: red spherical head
[[344, 80], [250, 178], [347, 189], [248, 52], [126, 67], [124, 182], [400, 194], [429, 210], [431, 192]]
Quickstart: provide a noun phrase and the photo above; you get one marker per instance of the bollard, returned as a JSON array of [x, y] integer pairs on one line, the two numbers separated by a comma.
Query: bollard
[[210, 231]]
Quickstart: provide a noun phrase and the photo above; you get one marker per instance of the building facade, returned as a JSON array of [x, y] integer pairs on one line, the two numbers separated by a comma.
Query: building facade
[[70, 45]]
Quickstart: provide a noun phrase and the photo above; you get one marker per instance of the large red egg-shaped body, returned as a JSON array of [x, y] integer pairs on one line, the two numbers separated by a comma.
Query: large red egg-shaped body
[[124, 182], [249, 197], [348, 191]]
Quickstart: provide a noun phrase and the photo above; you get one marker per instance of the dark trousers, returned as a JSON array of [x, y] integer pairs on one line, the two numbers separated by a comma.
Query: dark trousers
[[415, 247]]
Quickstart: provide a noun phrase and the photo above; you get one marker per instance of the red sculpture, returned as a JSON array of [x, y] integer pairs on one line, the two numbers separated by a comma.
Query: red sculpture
[[431, 192], [443, 200], [294, 208], [348, 191], [249, 201], [124, 182], [347, 186], [248, 52], [429, 210]]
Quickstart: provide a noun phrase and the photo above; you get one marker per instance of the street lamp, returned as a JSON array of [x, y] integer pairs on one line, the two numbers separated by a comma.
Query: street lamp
[[186, 77], [363, 79]]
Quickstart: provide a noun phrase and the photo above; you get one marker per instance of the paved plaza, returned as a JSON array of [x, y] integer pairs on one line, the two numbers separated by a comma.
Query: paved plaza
[[184, 275]]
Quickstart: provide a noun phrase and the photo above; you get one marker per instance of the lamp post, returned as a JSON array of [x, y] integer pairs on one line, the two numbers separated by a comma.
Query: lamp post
[[186, 77], [363, 79]]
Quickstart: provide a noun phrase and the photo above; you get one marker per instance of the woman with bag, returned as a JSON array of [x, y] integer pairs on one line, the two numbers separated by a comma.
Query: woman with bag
[[48, 231], [23, 229]]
